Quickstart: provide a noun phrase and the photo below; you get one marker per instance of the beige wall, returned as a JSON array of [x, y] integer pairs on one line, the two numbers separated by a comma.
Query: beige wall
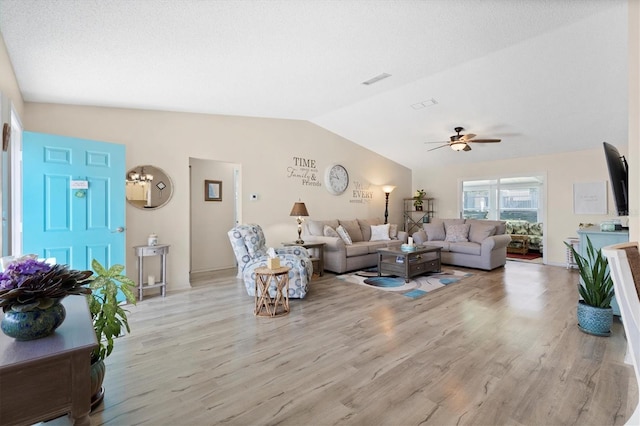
[[561, 172], [210, 220], [265, 149]]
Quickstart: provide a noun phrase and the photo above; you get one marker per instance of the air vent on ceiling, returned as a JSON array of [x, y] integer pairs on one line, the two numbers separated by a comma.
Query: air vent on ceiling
[[376, 79]]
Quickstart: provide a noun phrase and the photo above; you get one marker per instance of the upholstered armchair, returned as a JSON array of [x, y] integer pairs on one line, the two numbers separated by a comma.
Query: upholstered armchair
[[249, 245]]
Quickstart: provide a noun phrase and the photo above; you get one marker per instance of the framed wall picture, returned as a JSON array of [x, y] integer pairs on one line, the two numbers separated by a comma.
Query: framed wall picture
[[213, 190]]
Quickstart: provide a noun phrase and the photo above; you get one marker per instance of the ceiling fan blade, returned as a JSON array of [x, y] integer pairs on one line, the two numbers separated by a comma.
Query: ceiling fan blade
[[467, 137], [438, 147], [467, 148], [438, 142], [485, 140]]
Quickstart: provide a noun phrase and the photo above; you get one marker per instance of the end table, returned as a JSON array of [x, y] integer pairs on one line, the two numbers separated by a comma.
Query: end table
[[264, 304], [317, 258]]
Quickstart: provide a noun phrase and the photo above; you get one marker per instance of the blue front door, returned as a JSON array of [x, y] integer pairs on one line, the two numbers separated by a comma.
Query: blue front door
[[73, 200]]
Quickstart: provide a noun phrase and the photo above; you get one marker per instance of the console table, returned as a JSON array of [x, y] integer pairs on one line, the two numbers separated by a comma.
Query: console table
[[45, 378], [143, 251]]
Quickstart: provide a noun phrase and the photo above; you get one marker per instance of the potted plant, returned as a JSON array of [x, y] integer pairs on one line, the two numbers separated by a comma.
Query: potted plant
[[595, 315], [108, 318], [30, 294], [417, 199]]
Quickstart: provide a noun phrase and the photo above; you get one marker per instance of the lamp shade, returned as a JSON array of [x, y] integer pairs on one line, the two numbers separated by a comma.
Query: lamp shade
[[388, 188], [299, 209]]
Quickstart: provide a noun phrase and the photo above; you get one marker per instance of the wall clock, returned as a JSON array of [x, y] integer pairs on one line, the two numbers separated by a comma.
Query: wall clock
[[336, 179]]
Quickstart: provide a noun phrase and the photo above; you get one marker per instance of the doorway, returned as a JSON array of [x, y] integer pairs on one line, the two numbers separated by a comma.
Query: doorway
[[212, 216]]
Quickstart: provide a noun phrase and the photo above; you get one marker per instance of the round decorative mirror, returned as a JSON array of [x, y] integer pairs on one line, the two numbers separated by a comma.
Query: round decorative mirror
[[148, 187]]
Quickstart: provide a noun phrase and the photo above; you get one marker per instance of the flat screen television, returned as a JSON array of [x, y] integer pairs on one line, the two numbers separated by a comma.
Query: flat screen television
[[619, 177]]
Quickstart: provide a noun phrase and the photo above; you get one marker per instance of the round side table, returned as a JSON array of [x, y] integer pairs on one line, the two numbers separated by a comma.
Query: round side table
[[265, 305]]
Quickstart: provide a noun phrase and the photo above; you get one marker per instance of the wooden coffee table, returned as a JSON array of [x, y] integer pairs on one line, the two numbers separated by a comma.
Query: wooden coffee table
[[408, 264]]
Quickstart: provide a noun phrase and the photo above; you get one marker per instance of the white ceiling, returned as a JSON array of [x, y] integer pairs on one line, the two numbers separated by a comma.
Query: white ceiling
[[543, 75]]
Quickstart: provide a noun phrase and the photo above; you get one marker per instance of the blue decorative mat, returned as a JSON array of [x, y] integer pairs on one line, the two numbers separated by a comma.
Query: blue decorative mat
[[417, 287]]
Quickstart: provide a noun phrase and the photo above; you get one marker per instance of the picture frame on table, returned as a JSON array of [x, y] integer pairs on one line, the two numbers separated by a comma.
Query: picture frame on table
[[213, 190]]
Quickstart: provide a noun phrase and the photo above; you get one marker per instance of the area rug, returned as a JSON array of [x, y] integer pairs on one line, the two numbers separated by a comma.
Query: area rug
[[417, 287], [525, 257]]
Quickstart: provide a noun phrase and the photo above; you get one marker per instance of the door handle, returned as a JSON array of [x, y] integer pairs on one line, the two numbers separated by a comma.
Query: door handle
[[118, 229]]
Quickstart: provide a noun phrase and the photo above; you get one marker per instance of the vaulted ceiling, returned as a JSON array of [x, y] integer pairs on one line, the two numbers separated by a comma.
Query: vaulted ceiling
[[542, 75]]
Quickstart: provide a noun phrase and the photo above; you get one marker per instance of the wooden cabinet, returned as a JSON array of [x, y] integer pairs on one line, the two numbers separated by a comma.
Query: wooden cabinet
[[413, 219], [44, 378]]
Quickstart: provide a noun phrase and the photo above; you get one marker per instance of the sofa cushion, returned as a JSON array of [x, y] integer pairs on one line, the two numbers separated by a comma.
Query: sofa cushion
[[435, 231], [330, 232], [420, 237], [375, 245], [353, 228], [478, 232], [444, 245], [501, 225], [535, 229], [457, 233], [344, 234], [365, 227], [357, 249], [466, 248], [379, 233]]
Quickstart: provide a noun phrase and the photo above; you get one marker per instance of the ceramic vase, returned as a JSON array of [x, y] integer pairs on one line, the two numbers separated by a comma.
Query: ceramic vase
[[596, 321], [34, 324]]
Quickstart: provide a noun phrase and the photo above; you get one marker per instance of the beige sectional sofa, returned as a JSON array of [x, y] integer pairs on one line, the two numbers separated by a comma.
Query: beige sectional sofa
[[339, 256], [471, 243]]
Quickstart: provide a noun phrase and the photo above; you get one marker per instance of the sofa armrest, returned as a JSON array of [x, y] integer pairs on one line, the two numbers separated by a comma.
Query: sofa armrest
[[292, 250], [331, 243], [495, 242]]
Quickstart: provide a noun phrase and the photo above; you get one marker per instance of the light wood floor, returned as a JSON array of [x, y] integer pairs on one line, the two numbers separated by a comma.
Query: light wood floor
[[499, 348]]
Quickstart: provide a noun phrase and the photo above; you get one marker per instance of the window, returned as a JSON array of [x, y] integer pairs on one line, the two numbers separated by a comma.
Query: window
[[503, 198]]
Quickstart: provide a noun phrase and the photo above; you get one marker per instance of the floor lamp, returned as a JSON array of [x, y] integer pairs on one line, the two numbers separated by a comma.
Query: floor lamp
[[387, 190]]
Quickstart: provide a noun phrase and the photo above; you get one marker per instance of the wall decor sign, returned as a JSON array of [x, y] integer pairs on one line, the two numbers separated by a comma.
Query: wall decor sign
[[213, 190], [590, 198], [305, 170], [361, 193]]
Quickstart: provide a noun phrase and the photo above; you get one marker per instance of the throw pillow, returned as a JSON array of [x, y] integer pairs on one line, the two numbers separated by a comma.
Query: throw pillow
[[380, 232], [457, 233], [344, 235], [419, 237], [393, 231], [365, 227], [330, 232], [479, 232], [353, 228], [435, 231]]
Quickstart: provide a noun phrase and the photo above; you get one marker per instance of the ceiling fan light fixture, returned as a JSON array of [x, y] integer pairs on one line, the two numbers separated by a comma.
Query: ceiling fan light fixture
[[458, 146]]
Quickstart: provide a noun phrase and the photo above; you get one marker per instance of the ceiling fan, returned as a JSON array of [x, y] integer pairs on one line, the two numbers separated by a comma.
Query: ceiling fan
[[461, 142]]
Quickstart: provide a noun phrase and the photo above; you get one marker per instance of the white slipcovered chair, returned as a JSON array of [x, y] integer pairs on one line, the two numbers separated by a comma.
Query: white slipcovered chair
[[624, 265], [249, 246]]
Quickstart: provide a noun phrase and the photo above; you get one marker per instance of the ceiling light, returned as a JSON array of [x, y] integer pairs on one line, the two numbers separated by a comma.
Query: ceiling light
[[457, 146], [376, 79]]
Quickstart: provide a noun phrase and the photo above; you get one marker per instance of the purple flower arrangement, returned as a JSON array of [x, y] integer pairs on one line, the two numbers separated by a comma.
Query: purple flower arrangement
[[27, 284]]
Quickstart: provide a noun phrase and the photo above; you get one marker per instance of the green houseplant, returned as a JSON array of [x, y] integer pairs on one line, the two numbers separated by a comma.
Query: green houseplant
[[595, 315], [417, 198], [108, 318]]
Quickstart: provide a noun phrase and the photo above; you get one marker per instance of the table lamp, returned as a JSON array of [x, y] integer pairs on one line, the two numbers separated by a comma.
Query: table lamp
[[299, 209]]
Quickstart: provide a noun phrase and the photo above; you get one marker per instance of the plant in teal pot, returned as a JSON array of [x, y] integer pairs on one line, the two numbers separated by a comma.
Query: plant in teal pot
[[30, 295], [595, 315]]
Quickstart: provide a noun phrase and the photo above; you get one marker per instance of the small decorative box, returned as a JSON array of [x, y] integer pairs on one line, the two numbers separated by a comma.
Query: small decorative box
[[273, 263], [407, 247]]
